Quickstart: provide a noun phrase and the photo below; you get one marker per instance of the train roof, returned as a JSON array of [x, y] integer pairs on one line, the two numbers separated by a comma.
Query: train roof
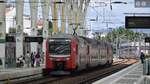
[[69, 36], [93, 40], [62, 35]]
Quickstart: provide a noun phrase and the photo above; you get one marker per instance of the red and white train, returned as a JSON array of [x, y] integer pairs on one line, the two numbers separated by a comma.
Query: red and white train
[[70, 53]]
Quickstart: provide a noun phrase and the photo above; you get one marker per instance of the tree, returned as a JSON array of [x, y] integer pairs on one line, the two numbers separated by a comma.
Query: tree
[[122, 33]]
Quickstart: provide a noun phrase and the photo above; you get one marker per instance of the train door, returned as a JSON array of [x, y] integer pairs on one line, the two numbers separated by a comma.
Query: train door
[[99, 52], [107, 53]]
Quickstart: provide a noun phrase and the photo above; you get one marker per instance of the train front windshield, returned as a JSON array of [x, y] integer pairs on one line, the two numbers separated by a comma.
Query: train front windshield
[[59, 47]]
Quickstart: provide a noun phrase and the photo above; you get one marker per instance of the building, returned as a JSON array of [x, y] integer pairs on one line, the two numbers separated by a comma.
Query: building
[[11, 22], [133, 49]]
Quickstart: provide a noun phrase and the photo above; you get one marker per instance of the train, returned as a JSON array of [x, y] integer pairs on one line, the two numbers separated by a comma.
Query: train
[[71, 53]]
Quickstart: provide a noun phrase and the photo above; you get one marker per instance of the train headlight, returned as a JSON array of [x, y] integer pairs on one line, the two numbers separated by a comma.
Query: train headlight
[[51, 40], [67, 58], [68, 40]]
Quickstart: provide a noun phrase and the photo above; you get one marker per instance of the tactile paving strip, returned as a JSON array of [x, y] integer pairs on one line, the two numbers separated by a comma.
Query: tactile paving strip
[[126, 81], [132, 77]]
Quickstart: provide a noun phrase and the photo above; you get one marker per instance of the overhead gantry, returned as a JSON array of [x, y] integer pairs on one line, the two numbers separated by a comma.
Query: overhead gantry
[[76, 12], [72, 15]]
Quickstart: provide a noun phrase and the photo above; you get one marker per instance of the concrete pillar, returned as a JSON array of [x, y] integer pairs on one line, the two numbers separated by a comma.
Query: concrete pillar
[[70, 18], [63, 17], [83, 10], [2, 32], [19, 25], [76, 18], [81, 21], [69, 13], [45, 11], [33, 13], [54, 9]]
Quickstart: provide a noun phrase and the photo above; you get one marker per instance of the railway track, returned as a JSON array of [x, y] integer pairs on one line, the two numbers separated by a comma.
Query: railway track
[[90, 76], [82, 77], [35, 80]]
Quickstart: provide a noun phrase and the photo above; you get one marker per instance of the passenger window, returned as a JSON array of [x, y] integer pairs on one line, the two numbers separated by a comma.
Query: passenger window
[[88, 49], [76, 49]]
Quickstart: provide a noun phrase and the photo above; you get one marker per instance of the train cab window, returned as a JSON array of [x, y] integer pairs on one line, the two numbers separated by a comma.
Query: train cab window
[[62, 47]]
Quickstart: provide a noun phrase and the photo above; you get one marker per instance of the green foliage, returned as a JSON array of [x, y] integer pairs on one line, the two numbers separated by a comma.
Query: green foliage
[[12, 30], [122, 33]]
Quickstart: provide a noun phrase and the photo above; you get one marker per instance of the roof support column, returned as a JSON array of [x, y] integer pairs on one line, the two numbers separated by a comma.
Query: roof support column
[[19, 25], [69, 14], [63, 17], [33, 13], [2, 32], [54, 9], [45, 11]]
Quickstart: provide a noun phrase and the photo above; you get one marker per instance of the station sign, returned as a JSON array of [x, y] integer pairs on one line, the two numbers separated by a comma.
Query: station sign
[[33, 39], [10, 39], [142, 3], [137, 22], [147, 39]]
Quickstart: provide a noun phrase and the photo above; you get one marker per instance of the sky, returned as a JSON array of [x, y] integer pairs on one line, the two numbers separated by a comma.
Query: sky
[[106, 18], [114, 18]]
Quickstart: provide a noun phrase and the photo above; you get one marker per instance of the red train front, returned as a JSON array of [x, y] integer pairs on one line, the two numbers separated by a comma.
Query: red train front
[[60, 54], [68, 53]]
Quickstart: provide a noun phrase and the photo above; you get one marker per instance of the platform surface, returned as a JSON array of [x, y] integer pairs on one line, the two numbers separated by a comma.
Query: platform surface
[[16, 73], [130, 75]]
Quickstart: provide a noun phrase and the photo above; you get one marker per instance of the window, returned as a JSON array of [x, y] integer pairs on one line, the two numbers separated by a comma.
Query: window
[[60, 47]]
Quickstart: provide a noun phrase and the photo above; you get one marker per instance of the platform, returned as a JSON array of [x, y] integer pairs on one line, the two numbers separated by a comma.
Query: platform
[[17, 73], [130, 75]]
